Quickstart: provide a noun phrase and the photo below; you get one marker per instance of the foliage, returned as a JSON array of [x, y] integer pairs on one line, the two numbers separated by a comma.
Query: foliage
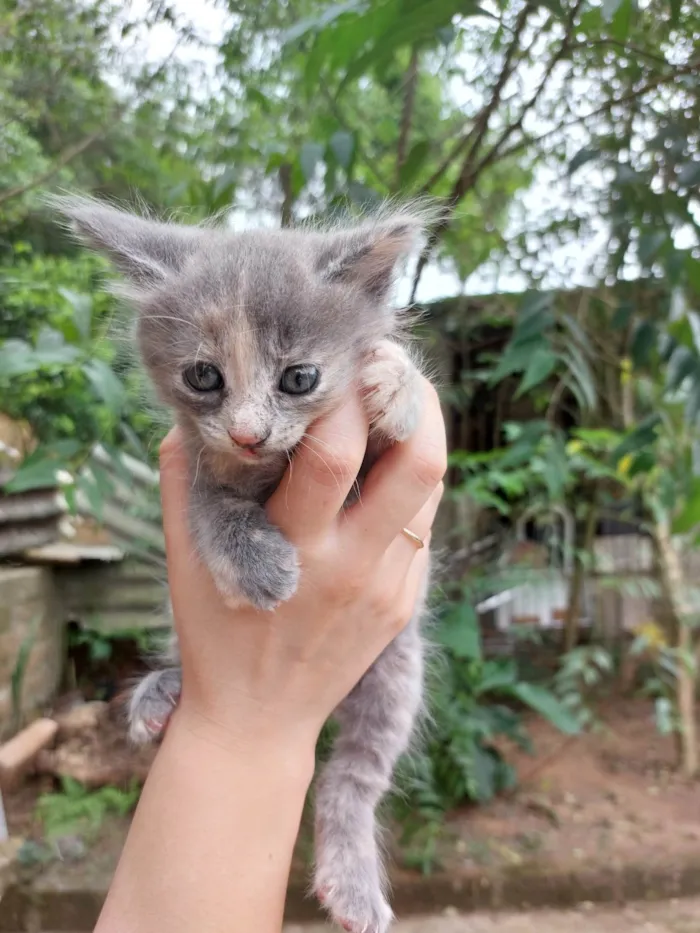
[[475, 704], [19, 670], [77, 810], [100, 645]]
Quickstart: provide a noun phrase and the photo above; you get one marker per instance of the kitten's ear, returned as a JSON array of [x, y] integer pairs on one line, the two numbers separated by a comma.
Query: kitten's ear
[[146, 251], [368, 255]]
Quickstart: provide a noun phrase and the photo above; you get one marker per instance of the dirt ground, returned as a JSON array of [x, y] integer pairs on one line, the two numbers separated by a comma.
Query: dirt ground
[[671, 917], [609, 796]]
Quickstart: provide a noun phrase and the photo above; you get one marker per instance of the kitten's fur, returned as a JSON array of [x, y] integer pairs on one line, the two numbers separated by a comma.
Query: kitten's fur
[[253, 304]]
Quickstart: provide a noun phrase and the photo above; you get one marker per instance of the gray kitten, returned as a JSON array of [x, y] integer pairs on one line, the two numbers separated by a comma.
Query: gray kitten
[[249, 338]]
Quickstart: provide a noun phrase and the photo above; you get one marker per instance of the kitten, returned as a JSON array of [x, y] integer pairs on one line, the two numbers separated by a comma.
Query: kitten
[[250, 337]]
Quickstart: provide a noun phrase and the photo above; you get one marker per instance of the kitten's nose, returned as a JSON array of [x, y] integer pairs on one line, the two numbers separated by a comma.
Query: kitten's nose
[[247, 441]]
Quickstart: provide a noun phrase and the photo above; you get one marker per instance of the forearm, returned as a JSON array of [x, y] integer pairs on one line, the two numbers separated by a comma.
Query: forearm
[[211, 843]]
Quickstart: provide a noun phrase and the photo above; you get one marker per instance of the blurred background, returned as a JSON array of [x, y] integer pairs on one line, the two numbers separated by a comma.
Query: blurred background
[[558, 296]]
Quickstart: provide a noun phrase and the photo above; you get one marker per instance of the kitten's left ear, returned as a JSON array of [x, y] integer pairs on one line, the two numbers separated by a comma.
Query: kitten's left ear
[[368, 255]]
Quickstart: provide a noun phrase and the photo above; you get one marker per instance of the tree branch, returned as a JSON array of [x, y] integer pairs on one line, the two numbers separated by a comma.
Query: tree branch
[[475, 138], [340, 117], [407, 113], [75, 149], [285, 174]]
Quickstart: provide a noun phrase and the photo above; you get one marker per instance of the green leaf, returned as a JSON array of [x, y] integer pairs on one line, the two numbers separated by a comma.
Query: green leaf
[[321, 20], [622, 19], [414, 162], [107, 385], [643, 342], [342, 146], [309, 157], [484, 768], [460, 632], [546, 704], [689, 174], [610, 8], [639, 438], [689, 516], [82, 310], [675, 6], [541, 366], [650, 244], [682, 364], [622, 315], [581, 158], [516, 358], [497, 676], [38, 475], [692, 270]]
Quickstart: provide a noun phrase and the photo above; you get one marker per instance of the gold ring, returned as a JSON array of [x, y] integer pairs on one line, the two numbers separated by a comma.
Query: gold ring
[[419, 542]]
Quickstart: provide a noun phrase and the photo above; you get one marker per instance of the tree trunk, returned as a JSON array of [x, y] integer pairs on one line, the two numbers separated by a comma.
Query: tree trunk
[[573, 610], [672, 586]]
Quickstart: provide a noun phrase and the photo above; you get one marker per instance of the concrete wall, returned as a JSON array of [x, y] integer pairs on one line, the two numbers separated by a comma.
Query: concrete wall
[[30, 613]]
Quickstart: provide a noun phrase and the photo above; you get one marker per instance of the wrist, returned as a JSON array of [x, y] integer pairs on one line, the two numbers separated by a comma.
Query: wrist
[[289, 752]]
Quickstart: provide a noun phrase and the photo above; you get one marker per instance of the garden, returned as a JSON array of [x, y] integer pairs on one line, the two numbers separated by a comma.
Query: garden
[[558, 299]]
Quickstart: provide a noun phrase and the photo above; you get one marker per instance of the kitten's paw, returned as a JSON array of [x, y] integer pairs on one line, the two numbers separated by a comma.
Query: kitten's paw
[[152, 703], [268, 573], [392, 391], [354, 900]]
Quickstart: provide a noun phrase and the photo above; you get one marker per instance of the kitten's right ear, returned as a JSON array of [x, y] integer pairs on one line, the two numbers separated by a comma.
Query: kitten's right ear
[[146, 251]]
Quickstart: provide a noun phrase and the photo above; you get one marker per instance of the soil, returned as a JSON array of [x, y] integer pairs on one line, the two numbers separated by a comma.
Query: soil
[[675, 917], [609, 797]]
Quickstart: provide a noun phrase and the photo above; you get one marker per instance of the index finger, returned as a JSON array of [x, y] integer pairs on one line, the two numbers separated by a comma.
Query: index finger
[[322, 472]]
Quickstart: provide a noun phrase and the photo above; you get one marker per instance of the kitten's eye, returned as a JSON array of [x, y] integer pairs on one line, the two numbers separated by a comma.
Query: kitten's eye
[[203, 377], [298, 380]]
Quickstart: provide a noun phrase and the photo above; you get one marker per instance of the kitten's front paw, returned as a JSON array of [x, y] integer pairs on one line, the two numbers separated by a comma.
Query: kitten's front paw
[[268, 572], [392, 391]]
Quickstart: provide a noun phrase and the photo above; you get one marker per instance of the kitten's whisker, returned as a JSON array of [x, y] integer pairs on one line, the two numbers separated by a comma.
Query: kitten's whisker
[[196, 469], [322, 459]]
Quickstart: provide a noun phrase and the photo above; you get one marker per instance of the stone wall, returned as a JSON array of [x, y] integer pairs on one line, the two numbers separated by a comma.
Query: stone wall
[[30, 613]]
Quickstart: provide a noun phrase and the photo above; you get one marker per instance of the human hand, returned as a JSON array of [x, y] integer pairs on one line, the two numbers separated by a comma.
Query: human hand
[[253, 675]]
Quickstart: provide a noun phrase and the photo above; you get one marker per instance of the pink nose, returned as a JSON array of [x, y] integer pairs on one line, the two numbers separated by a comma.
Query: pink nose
[[240, 439]]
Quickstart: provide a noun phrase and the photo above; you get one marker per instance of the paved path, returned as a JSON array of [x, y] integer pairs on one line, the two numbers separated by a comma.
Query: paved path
[[682, 916]]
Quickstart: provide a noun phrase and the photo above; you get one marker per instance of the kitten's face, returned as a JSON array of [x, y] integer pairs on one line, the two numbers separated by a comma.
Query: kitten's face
[[251, 337], [250, 345]]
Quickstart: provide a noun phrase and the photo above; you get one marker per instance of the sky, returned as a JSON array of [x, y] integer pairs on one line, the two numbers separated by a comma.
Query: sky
[[571, 261]]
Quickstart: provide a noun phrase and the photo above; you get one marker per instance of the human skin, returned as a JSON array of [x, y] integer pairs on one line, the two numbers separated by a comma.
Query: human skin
[[211, 842]]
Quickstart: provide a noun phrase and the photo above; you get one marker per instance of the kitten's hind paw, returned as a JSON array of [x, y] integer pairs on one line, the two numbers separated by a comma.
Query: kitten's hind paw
[[152, 703], [357, 905]]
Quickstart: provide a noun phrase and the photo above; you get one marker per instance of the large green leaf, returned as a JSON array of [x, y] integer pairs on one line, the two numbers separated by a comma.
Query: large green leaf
[[414, 162], [689, 174], [582, 157], [639, 438], [38, 475], [545, 703], [644, 340], [689, 516], [107, 385], [309, 157], [683, 363], [342, 146], [460, 632], [321, 20], [516, 358], [650, 244], [540, 368]]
